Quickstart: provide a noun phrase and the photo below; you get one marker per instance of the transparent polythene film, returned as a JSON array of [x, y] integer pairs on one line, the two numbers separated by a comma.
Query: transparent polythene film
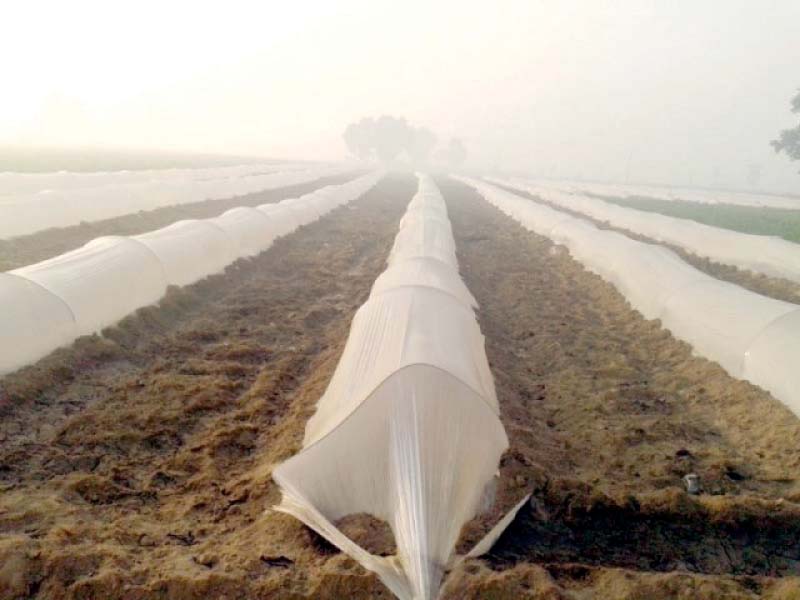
[[769, 255], [31, 203], [408, 429], [49, 304], [751, 336], [614, 190]]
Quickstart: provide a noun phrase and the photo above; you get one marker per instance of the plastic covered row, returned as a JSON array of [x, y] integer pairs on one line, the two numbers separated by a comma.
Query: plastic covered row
[[769, 255], [13, 184], [28, 212], [408, 429], [49, 304], [751, 336], [683, 194]]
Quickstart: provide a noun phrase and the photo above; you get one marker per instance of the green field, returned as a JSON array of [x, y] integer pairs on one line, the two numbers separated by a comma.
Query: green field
[[748, 219]]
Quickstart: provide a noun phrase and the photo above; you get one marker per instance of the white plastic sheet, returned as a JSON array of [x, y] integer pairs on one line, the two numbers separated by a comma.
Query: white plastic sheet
[[425, 272], [769, 255], [286, 218], [399, 328], [101, 282], [252, 230], [113, 195], [721, 320], [408, 428], [684, 194], [49, 304], [772, 359], [16, 184], [428, 238], [190, 250], [34, 321], [751, 336]]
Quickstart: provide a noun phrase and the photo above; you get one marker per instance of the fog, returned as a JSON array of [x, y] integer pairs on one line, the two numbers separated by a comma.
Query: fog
[[642, 91]]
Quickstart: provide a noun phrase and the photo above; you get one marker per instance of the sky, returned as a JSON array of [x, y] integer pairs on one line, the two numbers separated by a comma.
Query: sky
[[661, 91]]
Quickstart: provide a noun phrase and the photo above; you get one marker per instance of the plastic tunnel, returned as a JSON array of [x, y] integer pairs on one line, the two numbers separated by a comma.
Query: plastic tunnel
[[35, 321], [190, 250], [102, 281], [73, 198], [252, 230], [752, 337], [765, 254], [701, 196], [51, 303], [408, 428]]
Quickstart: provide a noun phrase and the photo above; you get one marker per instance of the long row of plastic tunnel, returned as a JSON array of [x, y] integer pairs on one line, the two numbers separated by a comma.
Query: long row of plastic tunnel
[[18, 185], [51, 303], [676, 194], [408, 429], [751, 336], [770, 255], [26, 207]]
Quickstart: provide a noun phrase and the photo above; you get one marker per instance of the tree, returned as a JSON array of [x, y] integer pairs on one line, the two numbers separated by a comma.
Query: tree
[[391, 136], [789, 140], [359, 138], [392, 139], [387, 138]]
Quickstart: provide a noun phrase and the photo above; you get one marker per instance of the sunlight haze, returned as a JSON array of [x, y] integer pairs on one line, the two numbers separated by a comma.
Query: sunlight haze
[[678, 92]]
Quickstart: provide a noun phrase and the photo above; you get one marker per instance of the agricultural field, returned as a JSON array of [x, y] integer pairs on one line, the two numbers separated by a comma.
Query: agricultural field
[[783, 223], [400, 301], [138, 463], [33, 247], [769, 286]]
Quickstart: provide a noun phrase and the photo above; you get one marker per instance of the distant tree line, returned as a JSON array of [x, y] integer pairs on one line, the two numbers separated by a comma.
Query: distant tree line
[[789, 139], [392, 139]]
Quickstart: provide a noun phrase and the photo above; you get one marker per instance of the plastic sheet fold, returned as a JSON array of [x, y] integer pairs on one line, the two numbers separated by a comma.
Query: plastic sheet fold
[[751, 336], [49, 304], [408, 428]]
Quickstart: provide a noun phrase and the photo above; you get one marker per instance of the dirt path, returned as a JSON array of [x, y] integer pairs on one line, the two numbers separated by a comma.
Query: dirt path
[[773, 287], [606, 413], [137, 466], [28, 249]]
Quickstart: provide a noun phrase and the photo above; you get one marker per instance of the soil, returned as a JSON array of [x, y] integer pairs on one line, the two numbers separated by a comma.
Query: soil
[[773, 287], [28, 249], [137, 465]]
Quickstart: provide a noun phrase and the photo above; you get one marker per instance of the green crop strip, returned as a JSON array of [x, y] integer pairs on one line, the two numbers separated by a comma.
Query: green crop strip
[[780, 222]]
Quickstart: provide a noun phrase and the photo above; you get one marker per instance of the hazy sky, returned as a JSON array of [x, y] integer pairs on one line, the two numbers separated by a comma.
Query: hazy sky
[[664, 90]]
